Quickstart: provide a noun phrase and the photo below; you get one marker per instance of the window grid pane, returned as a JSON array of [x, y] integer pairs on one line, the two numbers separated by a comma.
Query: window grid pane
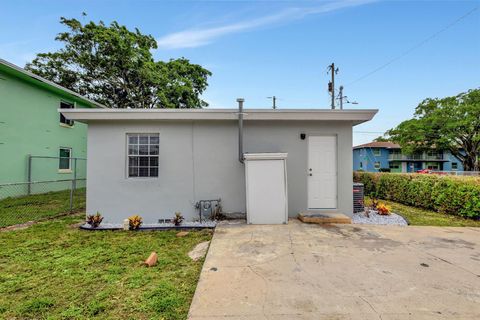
[[143, 150], [64, 161]]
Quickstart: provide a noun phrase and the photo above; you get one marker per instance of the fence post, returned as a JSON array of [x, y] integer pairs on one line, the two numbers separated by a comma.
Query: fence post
[[71, 197], [29, 174], [74, 173]]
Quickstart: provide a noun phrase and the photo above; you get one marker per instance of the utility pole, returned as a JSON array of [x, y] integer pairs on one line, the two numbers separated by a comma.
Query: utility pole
[[341, 97], [274, 101], [331, 84]]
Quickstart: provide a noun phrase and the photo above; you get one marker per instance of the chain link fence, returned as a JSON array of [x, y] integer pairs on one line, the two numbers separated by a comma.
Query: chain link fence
[[55, 186], [42, 203]]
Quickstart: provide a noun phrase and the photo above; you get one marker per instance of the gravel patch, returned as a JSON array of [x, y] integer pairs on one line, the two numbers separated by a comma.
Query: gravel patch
[[374, 218]]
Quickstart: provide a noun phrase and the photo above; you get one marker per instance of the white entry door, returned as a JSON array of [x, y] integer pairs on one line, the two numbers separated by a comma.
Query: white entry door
[[322, 172]]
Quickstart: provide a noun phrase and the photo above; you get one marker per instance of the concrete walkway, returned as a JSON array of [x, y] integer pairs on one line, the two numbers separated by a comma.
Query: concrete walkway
[[300, 271]]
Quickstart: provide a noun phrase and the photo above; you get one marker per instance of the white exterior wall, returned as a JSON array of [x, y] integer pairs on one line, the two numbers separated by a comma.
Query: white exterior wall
[[199, 160]]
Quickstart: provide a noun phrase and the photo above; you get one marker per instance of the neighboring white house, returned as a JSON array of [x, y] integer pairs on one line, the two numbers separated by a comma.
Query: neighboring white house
[[158, 161]]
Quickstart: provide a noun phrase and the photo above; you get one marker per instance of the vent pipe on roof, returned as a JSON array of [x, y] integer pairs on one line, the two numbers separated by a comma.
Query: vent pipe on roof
[[240, 129]]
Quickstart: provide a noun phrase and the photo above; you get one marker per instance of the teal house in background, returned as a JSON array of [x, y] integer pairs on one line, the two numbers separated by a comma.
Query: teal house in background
[[33, 134], [387, 156]]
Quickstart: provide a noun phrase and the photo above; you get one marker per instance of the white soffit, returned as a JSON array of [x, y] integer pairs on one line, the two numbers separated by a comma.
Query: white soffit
[[354, 115]]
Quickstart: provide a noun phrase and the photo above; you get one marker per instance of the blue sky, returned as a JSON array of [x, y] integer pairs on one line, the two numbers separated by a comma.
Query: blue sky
[[257, 49]]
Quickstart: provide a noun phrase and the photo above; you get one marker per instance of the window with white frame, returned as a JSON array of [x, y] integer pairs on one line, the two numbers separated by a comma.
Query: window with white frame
[[66, 105], [143, 149], [65, 161], [377, 165], [377, 152], [454, 166]]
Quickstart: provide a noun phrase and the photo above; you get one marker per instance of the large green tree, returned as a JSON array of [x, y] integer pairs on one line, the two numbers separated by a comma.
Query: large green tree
[[381, 139], [451, 123], [114, 66]]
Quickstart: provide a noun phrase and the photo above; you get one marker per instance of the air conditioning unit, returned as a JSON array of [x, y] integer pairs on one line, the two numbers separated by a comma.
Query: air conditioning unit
[[358, 197]]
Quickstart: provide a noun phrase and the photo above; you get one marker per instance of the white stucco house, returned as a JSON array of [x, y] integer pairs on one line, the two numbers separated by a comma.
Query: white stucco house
[[156, 162]]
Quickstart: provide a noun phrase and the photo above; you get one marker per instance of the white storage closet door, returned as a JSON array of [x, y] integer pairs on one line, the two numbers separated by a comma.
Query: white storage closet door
[[266, 192]]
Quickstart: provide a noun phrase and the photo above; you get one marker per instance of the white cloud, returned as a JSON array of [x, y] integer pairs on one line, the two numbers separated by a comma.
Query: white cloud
[[202, 36]]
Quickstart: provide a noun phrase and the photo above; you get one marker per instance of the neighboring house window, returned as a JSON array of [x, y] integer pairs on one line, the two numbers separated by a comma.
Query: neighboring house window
[[394, 166], [435, 155], [65, 161], [143, 155], [361, 165], [395, 154], [377, 152], [454, 166], [377, 164], [66, 105]]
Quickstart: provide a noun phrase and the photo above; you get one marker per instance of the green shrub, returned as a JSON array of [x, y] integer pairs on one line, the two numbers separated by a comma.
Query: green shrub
[[452, 195]]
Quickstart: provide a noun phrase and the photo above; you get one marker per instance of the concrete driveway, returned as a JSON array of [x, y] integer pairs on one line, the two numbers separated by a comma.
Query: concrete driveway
[[300, 271]]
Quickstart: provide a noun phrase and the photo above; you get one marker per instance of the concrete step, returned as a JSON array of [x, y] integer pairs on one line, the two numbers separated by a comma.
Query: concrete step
[[322, 217]]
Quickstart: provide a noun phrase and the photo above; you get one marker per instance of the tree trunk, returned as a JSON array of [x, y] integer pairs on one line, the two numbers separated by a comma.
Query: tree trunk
[[469, 163]]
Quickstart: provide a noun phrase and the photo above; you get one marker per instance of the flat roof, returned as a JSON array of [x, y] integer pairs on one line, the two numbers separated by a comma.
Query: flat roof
[[28, 76], [356, 116]]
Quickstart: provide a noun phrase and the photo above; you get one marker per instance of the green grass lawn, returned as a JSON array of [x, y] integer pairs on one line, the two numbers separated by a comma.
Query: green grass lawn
[[39, 206], [53, 270], [422, 217]]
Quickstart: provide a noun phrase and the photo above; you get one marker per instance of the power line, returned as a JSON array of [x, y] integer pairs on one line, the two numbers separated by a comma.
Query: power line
[[418, 45]]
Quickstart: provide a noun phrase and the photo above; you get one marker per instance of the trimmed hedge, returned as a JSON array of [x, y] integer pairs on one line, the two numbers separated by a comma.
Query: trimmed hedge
[[447, 194]]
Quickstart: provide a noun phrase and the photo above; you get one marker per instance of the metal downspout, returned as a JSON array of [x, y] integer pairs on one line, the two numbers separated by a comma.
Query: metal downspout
[[240, 129]]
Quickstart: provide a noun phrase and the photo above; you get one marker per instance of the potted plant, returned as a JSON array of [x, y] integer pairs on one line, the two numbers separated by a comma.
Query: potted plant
[[178, 219], [94, 220], [135, 222], [383, 209]]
